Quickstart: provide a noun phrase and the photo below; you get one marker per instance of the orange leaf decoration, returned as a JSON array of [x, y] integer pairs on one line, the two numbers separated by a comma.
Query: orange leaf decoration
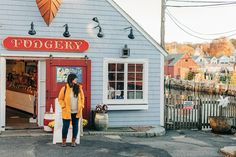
[[48, 9]]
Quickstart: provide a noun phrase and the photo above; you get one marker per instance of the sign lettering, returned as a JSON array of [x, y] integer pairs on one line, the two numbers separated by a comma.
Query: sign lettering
[[188, 105], [45, 44]]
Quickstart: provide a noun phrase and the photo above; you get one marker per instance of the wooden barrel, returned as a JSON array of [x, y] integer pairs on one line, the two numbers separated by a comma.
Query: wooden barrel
[[48, 117], [101, 121]]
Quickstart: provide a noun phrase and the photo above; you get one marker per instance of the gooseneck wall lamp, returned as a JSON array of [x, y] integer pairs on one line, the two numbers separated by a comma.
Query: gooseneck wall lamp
[[100, 33], [131, 35], [66, 33], [32, 31]]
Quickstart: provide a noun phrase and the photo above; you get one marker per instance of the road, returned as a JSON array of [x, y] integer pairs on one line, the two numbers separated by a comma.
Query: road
[[174, 143]]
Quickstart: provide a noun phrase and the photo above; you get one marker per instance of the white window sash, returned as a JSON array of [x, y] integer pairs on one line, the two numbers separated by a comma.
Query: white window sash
[[125, 101]]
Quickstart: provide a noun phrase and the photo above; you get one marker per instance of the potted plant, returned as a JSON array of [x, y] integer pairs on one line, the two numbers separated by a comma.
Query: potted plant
[[221, 123], [101, 117]]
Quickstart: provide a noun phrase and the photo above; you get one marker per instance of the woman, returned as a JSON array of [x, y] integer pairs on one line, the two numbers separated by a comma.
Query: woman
[[71, 100]]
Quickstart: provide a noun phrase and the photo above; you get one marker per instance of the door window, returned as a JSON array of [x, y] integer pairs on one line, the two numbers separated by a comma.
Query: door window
[[62, 73]]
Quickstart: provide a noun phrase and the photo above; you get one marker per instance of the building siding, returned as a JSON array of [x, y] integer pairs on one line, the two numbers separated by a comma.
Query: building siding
[[15, 19]]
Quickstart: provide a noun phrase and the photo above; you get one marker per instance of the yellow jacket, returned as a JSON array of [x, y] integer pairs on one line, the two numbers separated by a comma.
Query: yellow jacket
[[64, 101]]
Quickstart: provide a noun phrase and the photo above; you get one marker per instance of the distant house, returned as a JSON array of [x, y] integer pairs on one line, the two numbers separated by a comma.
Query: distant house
[[232, 59], [224, 60], [200, 60], [179, 65], [214, 60]]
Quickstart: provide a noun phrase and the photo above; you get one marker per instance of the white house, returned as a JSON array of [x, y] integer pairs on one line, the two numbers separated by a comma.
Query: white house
[[213, 60], [224, 60], [200, 60]]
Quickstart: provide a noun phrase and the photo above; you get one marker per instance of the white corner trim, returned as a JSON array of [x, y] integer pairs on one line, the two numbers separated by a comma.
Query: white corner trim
[[162, 102], [2, 93], [127, 107], [138, 27]]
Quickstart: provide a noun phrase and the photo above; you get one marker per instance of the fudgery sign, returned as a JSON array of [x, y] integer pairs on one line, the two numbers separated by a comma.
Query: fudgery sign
[[45, 44]]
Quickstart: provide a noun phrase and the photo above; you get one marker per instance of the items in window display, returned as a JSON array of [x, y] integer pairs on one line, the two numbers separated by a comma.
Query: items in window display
[[25, 81], [134, 82]]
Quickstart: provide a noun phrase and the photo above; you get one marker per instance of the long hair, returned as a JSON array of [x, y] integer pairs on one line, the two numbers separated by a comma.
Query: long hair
[[74, 87]]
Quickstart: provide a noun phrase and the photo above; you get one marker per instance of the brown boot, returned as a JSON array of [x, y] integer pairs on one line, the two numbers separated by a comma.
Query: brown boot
[[73, 144], [63, 144]]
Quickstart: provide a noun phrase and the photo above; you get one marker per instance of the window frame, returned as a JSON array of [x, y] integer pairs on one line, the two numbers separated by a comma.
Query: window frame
[[125, 101]]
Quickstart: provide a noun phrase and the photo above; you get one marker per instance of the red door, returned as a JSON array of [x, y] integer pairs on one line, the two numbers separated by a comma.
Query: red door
[[56, 76]]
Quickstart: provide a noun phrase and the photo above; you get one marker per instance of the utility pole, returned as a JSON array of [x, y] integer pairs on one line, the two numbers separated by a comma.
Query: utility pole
[[163, 7]]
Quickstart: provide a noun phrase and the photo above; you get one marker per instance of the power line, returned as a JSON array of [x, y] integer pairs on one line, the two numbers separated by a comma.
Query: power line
[[219, 33], [205, 5], [185, 1], [191, 33]]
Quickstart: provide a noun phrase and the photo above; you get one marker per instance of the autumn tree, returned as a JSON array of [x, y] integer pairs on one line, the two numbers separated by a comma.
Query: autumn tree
[[221, 46], [233, 41]]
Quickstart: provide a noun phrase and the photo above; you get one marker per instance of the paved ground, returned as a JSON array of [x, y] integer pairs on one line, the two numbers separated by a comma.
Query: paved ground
[[174, 143]]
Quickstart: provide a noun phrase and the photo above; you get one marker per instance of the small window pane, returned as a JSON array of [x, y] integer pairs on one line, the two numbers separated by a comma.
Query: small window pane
[[111, 76], [130, 85], [139, 77], [119, 94], [111, 94], [139, 95], [131, 67], [139, 85], [139, 67], [120, 86], [120, 67], [131, 76], [111, 86], [120, 77], [130, 95], [111, 67]]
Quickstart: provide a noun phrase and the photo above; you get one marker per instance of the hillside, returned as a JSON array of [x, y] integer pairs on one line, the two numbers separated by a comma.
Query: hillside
[[218, 47]]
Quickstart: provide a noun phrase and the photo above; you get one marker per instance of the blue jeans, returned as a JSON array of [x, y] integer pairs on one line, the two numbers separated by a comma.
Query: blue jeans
[[66, 125]]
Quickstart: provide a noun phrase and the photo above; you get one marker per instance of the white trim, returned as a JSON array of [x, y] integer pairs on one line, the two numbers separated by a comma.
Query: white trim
[[41, 91], [127, 107], [143, 101], [2, 93], [139, 28], [162, 103], [40, 55]]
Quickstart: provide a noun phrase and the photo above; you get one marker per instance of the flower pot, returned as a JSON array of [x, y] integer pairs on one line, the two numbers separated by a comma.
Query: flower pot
[[221, 124], [101, 121]]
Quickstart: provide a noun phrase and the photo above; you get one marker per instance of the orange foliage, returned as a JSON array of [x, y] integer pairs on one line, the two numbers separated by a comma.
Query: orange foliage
[[179, 48], [217, 47], [221, 46]]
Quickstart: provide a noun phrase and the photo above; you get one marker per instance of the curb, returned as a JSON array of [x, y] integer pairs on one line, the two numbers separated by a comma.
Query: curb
[[153, 132]]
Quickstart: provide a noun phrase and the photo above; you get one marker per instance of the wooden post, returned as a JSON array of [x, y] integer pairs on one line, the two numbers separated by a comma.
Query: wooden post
[[200, 115]]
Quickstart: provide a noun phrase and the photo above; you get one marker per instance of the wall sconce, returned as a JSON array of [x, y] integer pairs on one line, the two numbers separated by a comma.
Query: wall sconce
[[32, 31], [100, 33], [125, 52], [131, 35], [86, 57], [66, 33]]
